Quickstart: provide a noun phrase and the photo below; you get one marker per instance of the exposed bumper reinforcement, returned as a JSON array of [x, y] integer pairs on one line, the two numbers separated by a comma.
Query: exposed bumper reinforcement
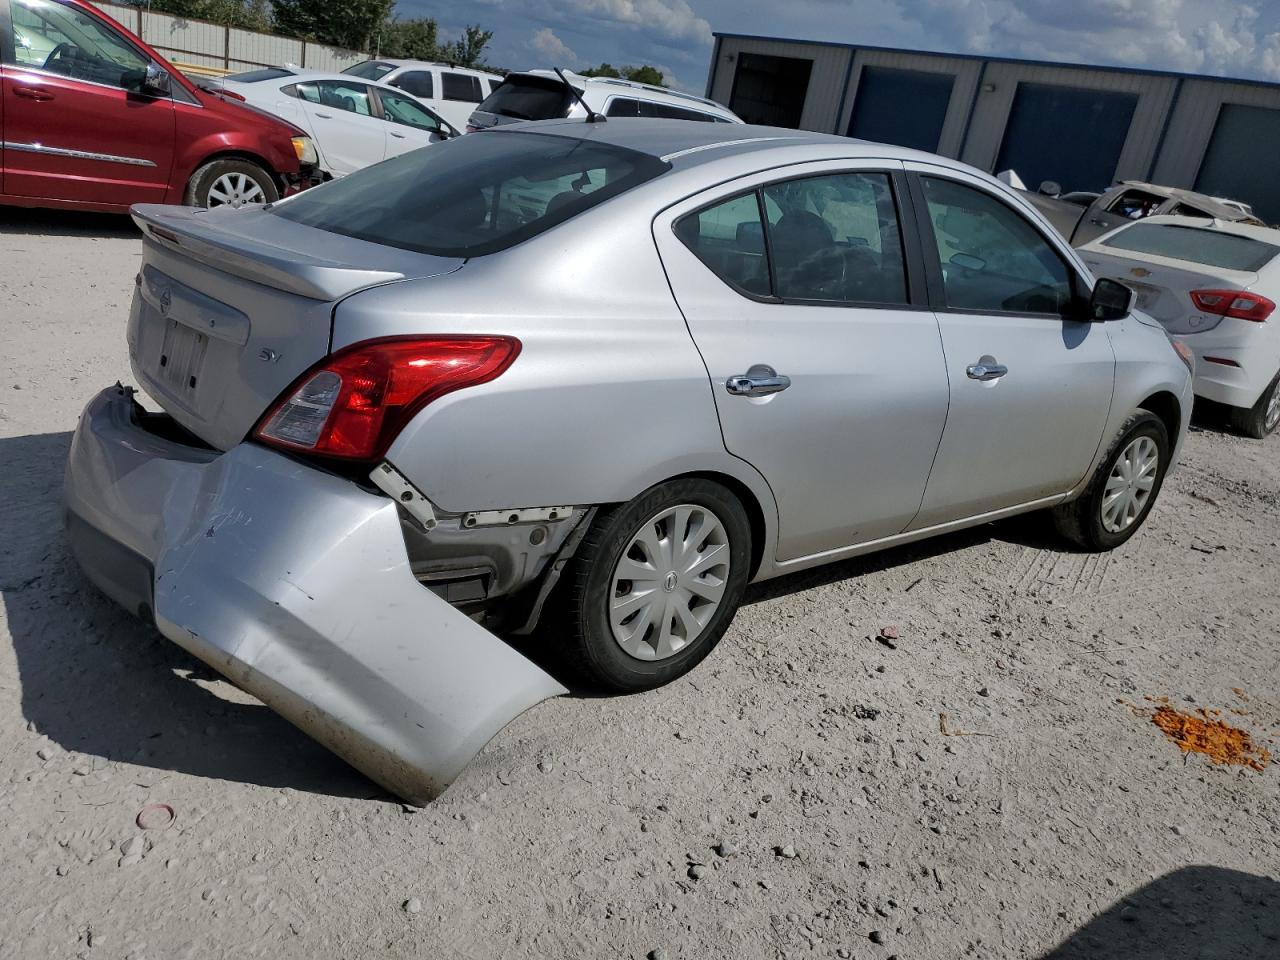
[[296, 585]]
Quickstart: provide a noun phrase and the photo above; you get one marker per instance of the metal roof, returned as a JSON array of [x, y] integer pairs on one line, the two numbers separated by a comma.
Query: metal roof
[[981, 58]]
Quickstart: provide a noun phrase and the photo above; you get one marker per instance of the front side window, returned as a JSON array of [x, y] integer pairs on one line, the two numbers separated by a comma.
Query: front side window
[[61, 39], [460, 86], [992, 258], [407, 112], [473, 196], [417, 83], [836, 238]]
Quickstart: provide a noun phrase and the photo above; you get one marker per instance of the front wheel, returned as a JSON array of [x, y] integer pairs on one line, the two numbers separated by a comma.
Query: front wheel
[[654, 585], [231, 183], [1123, 489], [1260, 420]]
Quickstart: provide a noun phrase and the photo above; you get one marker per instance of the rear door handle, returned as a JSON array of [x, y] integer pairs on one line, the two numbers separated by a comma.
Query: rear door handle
[[986, 369], [32, 93], [326, 116], [760, 381], [398, 136]]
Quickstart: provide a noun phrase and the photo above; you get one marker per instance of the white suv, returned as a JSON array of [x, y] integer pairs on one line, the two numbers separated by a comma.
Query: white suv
[[541, 95], [450, 91]]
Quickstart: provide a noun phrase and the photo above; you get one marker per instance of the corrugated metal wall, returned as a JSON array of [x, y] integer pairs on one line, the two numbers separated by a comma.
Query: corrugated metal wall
[[1168, 137], [826, 81], [210, 45]]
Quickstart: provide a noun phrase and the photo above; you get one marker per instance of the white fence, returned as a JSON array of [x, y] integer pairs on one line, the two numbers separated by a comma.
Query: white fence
[[211, 45]]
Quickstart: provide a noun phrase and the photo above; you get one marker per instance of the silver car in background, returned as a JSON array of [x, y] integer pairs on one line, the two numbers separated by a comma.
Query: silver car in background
[[594, 379]]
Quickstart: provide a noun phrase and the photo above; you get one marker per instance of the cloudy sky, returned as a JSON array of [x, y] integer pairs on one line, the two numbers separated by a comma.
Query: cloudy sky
[[1225, 37]]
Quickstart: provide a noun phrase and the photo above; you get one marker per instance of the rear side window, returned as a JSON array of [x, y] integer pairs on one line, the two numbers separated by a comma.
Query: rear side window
[[1136, 204], [830, 239], [473, 195], [460, 86], [370, 69], [417, 83], [628, 107], [1227, 251], [528, 98], [993, 259]]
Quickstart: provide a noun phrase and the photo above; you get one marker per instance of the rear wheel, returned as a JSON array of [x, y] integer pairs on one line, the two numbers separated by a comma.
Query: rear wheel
[[655, 584], [1123, 489], [1263, 417], [231, 183]]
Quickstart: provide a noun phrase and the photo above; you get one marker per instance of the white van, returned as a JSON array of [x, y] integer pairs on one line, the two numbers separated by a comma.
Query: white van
[[450, 91], [541, 95]]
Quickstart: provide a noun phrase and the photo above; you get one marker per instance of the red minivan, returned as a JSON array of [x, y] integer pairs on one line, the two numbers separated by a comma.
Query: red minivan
[[92, 118]]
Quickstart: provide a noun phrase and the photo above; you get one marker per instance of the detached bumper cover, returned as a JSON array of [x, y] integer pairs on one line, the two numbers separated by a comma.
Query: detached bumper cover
[[295, 584]]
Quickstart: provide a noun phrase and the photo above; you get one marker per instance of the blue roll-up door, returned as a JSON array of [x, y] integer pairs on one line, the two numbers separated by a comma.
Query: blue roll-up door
[[1067, 134], [906, 107], [1240, 163]]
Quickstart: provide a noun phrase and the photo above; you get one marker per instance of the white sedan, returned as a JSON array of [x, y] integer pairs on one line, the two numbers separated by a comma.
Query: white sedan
[[1213, 285], [353, 122]]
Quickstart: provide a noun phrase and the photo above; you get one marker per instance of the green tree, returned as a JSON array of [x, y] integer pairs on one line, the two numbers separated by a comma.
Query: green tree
[[353, 24], [247, 14], [467, 50], [410, 39], [641, 74]]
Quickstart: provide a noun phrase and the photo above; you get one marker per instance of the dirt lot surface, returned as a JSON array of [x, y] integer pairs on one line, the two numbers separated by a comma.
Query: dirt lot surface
[[797, 796]]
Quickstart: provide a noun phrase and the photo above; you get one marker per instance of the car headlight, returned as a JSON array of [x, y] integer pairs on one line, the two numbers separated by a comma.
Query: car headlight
[[305, 149], [1184, 353]]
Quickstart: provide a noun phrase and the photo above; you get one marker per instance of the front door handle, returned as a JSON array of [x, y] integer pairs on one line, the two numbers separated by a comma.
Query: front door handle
[[326, 116], [986, 369], [32, 93], [398, 136], [760, 381]]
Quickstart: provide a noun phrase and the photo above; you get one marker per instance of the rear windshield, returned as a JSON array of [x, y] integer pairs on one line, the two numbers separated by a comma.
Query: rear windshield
[[528, 98], [473, 195], [1213, 248], [257, 76], [370, 70]]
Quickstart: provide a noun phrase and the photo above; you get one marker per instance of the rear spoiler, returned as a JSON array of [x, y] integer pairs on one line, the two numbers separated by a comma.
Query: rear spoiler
[[243, 245]]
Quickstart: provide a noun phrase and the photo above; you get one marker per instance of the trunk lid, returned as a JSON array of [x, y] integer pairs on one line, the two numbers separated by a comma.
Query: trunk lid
[[232, 306], [1163, 286]]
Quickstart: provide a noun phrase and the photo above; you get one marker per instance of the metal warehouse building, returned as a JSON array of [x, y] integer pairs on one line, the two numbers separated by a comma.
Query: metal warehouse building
[[1084, 127]]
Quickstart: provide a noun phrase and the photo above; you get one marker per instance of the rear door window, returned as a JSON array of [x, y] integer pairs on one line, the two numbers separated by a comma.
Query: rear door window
[[993, 260], [473, 196], [623, 107], [339, 95], [417, 83], [460, 86], [528, 98], [667, 111], [1227, 251]]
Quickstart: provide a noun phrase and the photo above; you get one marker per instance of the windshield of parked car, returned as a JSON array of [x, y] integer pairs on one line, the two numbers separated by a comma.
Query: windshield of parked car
[[528, 98], [257, 76], [370, 69], [474, 195], [1228, 251]]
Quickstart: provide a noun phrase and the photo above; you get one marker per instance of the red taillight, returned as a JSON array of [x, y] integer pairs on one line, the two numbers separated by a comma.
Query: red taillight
[[353, 404], [1233, 303]]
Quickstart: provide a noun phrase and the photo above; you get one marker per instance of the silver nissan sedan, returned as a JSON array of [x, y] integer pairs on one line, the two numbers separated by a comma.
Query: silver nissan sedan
[[588, 379]]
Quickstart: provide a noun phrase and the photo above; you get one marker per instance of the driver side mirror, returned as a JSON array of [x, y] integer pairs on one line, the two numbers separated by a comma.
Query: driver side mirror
[[1111, 300], [156, 82]]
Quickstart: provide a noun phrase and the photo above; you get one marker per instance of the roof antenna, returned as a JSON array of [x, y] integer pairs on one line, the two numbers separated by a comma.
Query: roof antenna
[[592, 116]]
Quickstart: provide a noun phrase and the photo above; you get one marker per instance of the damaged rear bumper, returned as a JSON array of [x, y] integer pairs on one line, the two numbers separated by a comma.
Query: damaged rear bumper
[[295, 584]]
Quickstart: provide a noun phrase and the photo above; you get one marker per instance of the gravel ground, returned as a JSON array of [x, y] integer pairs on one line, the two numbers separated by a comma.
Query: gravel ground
[[798, 795]]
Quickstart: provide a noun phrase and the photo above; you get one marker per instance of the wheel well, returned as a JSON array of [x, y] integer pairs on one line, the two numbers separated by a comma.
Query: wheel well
[[238, 155], [1165, 406], [755, 513]]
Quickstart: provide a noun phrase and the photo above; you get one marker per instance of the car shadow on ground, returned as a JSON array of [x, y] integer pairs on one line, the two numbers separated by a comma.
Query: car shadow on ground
[[1195, 913], [19, 222], [101, 683]]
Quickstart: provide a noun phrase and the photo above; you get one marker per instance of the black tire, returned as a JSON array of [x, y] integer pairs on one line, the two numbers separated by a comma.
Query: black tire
[[201, 184], [586, 638], [1253, 421], [1081, 520]]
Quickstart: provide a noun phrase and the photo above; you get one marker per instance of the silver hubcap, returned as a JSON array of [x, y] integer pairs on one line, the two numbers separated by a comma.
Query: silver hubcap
[[235, 190], [1130, 484], [669, 582], [1273, 410]]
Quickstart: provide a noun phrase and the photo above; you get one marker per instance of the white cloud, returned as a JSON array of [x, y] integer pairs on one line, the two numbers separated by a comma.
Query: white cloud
[[551, 47], [667, 19]]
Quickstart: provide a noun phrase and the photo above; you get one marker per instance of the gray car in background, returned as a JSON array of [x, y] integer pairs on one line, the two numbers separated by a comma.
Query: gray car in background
[[592, 378]]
